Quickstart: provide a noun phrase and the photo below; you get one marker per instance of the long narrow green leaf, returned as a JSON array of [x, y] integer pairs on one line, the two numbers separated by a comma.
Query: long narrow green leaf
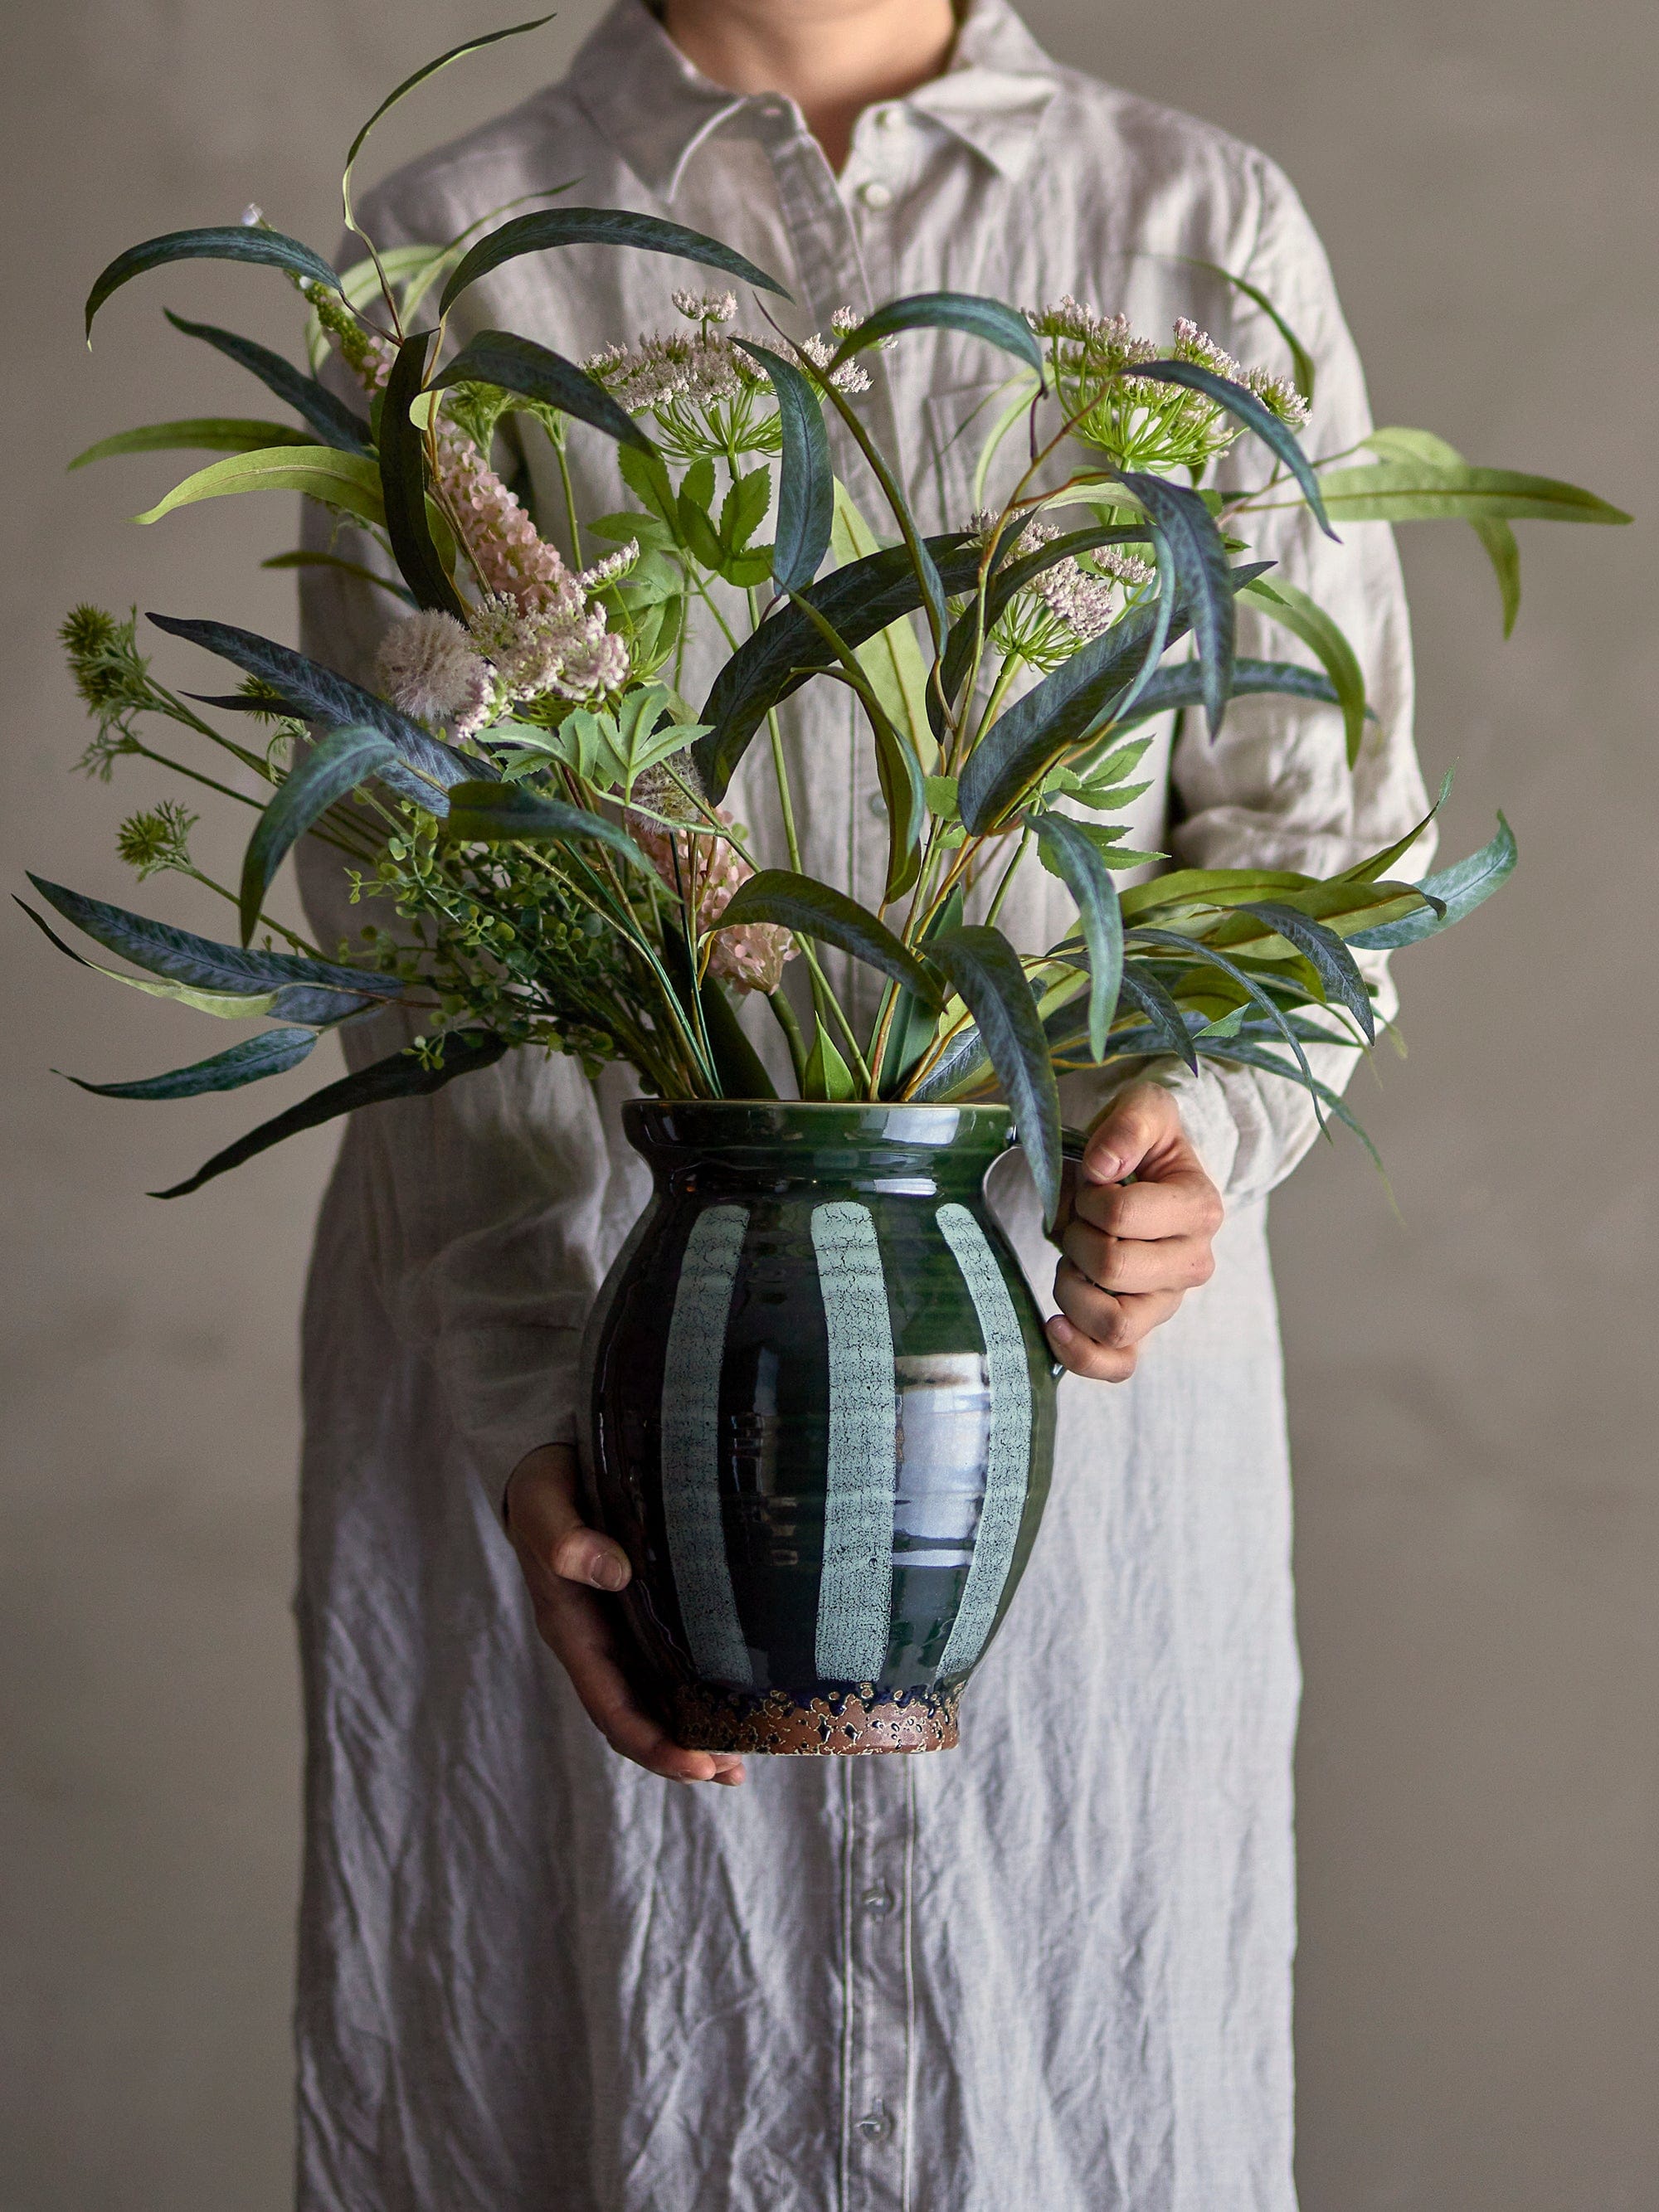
[[506, 813], [1244, 407], [403, 482], [1503, 549], [1170, 688], [220, 242], [1409, 491], [349, 482], [1085, 875], [1283, 603], [401, 1075], [206, 433], [1302, 361], [1246, 982], [200, 961], [1159, 1008], [410, 83], [1332, 961], [558, 227], [335, 766], [806, 483], [999, 326], [992, 984], [429, 768], [516, 364], [816, 909], [1457, 890], [306, 556], [271, 1053], [891, 659], [859, 602], [333, 421], [1254, 1056], [1208, 584]]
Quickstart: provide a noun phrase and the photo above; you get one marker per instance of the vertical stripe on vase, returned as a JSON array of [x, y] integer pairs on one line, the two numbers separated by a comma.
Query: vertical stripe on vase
[[855, 1592], [1008, 1468], [690, 1445]]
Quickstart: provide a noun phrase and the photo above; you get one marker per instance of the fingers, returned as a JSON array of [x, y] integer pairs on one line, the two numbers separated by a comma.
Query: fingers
[[546, 1520], [565, 1565], [1138, 1123], [1114, 1326], [1183, 1203], [1131, 1264]]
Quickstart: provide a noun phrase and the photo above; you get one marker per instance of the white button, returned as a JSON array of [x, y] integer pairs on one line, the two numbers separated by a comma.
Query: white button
[[772, 112], [875, 194], [890, 118], [877, 2124], [877, 806], [878, 1902]]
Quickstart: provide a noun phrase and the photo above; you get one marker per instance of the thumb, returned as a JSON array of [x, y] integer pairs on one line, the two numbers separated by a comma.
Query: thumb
[[1140, 1122], [546, 1525]]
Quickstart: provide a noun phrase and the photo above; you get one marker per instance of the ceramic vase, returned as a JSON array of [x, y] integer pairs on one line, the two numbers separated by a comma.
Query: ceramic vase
[[819, 1417]]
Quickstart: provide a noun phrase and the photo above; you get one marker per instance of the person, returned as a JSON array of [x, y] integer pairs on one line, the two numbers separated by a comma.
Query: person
[[1051, 1968]]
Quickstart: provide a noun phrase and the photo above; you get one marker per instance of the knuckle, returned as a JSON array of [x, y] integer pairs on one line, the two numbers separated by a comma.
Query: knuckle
[[1203, 1265]]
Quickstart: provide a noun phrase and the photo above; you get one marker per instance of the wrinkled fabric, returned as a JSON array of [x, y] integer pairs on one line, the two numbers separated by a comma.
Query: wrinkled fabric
[[1053, 1967]]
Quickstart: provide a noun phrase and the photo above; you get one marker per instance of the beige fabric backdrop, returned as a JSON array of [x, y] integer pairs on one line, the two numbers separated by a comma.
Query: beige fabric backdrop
[[1473, 1391]]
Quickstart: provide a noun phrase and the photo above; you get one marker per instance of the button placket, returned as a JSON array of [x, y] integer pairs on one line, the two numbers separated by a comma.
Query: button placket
[[876, 2152]]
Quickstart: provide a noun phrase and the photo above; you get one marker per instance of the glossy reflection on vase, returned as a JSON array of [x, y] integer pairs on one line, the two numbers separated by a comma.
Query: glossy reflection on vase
[[820, 1419]]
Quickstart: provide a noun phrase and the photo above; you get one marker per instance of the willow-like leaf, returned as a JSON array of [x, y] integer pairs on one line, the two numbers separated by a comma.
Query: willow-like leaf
[[271, 1053], [401, 1075], [1292, 608], [1085, 875], [1162, 1013], [332, 421], [349, 482], [334, 766], [204, 434], [1170, 688], [520, 365], [220, 242], [806, 483], [1210, 958], [1244, 407], [987, 976], [403, 482], [816, 909], [506, 813], [1503, 549], [558, 227], [1457, 891], [979, 318], [1331, 959], [1208, 584], [427, 768], [1410, 491]]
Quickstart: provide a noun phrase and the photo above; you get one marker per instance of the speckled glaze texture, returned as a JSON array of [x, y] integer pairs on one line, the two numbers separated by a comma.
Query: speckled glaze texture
[[819, 1416]]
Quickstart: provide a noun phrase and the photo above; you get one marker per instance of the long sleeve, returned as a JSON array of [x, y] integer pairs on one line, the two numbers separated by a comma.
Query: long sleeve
[[1274, 791]]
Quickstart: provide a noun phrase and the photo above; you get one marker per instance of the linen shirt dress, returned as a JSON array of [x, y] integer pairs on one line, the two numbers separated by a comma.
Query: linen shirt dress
[[1049, 1971]]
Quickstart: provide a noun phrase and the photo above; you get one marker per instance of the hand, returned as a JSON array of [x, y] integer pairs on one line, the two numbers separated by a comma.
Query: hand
[[566, 1565], [1131, 1251]]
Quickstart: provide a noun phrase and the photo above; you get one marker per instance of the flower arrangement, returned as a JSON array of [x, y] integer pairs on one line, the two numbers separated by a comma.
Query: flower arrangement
[[535, 808]]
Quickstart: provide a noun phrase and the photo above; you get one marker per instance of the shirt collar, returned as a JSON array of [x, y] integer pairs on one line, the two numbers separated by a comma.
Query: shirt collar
[[657, 109]]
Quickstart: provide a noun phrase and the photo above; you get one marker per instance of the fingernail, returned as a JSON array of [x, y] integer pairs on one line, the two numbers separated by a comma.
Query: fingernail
[[1059, 1327], [607, 1573], [1105, 1168]]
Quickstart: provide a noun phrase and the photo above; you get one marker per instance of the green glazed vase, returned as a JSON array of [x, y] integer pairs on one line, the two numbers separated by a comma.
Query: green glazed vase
[[819, 1417]]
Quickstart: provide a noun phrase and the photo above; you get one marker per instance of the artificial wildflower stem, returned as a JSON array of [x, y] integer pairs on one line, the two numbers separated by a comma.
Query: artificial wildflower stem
[[789, 1023]]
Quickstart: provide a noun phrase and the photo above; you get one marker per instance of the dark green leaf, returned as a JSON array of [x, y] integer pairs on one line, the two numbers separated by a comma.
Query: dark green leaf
[[814, 910], [992, 984], [403, 482], [401, 1075], [205, 433], [428, 766], [200, 962], [1302, 361], [741, 1069], [497, 813], [1331, 958], [979, 318], [858, 601], [556, 226], [915, 1019], [223, 242], [1183, 686], [1208, 584], [1081, 869], [1159, 1008], [272, 1052], [334, 422], [826, 1074], [409, 84], [1458, 889], [335, 766], [1244, 407], [1210, 958], [304, 557], [1305, 618], [743, 509], [806, 483], [1254, 1056], [516, 364]]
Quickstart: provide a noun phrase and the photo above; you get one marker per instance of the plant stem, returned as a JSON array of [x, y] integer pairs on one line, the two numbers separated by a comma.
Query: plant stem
[[790, 1025]]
